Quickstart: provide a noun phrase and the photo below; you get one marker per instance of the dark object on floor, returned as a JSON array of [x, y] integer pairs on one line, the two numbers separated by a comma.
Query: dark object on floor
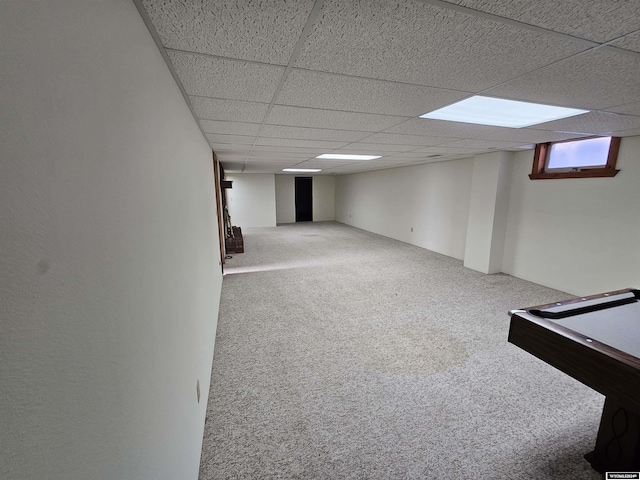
[[235, 243]]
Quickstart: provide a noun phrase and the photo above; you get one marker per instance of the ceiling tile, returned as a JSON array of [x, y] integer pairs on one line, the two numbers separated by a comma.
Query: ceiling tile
[[318, 163], [281, 149], [629, 108], [230, 79], [321, 163], [231, 158], [315, 118], [287, 142], [231, 110], [425, 159], [584, 81], [340, 92], [397, 139], [358, 168], [265, 31], [372, 148], [630, 42], [312, 133], [231, 128], [597, 20], [524, 135], [283, 155], [258, 168], [450, 150], [597, 123], [413, 156], [256, 159], [352, 167], [408, 163], [233, 167], [369, 67], [479, 143], [437, 128], [230, 139], [627, 133], [448, 49], [228, 148]]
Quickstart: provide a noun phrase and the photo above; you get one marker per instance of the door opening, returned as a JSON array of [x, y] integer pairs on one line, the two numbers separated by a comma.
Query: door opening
[[304, 199]]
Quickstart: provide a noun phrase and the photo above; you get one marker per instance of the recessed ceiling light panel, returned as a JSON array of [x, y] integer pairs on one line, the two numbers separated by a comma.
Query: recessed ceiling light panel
[[302, 170], [501, 113], [339, 156]]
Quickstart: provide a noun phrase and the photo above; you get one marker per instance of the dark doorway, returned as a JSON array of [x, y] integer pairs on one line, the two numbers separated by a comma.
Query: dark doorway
[[304, 199]]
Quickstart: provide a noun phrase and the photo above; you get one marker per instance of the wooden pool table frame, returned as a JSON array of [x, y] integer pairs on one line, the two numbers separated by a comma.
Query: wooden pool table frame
[[612, 372]]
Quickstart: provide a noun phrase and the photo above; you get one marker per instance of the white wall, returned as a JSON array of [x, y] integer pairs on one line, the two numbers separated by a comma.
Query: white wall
[[252, 200], [109, 262], [432, 199], [488, 210], [285, 199], [577, 235], [323, 192]]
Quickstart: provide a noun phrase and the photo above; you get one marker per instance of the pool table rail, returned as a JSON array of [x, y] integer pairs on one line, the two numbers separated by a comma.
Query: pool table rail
[[608, 370]]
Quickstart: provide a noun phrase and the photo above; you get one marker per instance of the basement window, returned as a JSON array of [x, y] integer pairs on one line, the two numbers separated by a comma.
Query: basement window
[[576, 158]]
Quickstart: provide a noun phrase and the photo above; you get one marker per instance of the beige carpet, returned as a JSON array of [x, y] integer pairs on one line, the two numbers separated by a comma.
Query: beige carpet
[[344, 354]]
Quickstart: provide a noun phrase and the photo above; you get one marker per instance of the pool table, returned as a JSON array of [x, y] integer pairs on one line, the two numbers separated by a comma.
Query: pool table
[[595, 340]]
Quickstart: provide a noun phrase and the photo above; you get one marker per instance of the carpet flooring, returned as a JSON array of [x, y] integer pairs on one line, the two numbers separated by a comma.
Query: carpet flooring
[[345, 354]]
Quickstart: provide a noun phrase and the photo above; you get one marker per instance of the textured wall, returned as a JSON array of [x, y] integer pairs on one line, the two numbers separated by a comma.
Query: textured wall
[[432, 199], [488, 209], [285, 199], [324, 198], [109, 276], [252, 200], [576, 235]]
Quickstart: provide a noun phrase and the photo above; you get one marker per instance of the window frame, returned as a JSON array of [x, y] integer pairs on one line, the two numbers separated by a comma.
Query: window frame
[[539, 172]]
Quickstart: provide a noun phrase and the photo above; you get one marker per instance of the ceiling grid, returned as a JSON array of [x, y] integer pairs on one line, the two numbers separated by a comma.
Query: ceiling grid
[[274, 83]]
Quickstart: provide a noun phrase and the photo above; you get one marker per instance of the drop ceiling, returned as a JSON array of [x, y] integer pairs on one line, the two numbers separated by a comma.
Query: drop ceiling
[[274, 83]]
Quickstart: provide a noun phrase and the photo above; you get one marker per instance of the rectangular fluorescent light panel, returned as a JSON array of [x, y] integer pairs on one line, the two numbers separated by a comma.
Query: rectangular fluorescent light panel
[[339, 156], [301, 170], [501, 113]]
